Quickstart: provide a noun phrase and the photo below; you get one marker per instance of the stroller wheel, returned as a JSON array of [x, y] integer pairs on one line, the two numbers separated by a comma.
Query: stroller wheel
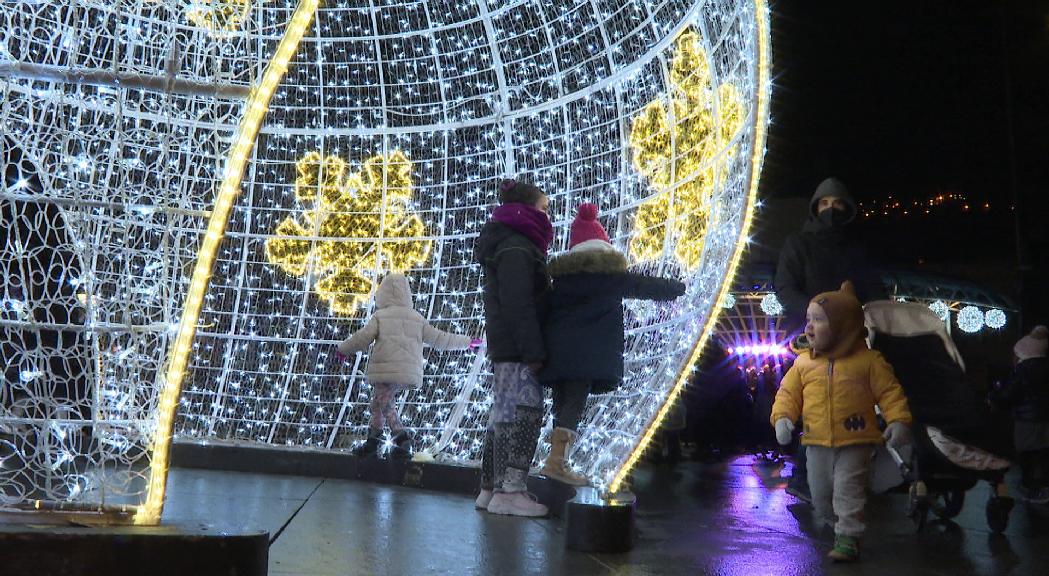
[[918, 508], [949, 504], [998, 509]]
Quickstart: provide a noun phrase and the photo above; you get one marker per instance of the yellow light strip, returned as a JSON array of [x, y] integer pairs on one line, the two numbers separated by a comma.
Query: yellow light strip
[[760, 118], [255, 107]]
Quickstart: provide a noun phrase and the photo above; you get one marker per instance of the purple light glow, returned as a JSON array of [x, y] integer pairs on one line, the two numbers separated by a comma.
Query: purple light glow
[[760, 350]]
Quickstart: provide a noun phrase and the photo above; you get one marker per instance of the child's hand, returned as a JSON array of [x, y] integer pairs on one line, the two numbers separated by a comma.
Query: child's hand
[[784, 431], [476, 343], [897, 435]]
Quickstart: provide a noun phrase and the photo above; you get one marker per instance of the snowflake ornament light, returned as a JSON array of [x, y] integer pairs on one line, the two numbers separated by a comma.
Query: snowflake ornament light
[[683, 149], [355, 226]]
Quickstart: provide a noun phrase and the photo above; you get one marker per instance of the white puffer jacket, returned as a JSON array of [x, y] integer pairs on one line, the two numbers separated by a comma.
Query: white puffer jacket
[[399, 333]]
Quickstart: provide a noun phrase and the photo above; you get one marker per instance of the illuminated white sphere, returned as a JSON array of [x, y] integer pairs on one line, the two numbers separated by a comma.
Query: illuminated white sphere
[[770, 305], [446, 97], [995, 318], [941, 309], [970, 319]]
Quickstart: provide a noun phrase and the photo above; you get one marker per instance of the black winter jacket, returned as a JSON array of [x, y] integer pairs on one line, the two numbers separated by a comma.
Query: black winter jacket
[[516, 294], [584, 332], [1027, 391], [819, 258]]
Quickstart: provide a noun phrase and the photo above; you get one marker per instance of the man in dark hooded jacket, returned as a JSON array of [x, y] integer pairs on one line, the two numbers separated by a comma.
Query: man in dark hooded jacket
[[825, 253]]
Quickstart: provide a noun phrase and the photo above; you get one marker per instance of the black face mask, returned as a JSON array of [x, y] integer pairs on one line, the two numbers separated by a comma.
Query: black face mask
[[832, 218]]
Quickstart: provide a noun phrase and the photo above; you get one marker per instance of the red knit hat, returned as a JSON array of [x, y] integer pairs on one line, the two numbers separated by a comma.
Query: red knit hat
[[585, 226]]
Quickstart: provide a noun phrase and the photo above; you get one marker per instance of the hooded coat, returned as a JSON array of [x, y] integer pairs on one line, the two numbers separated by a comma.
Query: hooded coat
[[584, 331], [834, 391], [399, 333], [822, 256], [516, 293]]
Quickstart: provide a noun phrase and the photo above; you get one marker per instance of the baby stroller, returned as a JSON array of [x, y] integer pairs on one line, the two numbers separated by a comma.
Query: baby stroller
[[951, 452]]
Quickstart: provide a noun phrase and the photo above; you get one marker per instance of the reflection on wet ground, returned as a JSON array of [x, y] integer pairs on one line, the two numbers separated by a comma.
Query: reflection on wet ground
[[729, 518]]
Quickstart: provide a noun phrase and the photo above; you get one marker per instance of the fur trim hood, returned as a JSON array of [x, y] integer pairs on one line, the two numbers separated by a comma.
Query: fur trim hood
[[608, 261]]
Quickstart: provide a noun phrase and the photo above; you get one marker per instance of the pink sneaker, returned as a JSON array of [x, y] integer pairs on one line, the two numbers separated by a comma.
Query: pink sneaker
[[516, 504], [483, 499]]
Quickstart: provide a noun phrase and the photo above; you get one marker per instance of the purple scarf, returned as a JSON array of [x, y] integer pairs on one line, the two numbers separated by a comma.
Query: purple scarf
[[525, 219]]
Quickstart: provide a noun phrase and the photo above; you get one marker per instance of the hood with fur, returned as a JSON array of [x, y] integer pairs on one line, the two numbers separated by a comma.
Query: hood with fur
[[585, 260]]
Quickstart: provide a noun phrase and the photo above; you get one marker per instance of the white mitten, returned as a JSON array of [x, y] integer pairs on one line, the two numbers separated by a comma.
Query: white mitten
[[897, 435], [784, 430]]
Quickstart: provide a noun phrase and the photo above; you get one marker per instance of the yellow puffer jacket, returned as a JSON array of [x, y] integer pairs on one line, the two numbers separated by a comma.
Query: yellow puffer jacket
[[836, 398]]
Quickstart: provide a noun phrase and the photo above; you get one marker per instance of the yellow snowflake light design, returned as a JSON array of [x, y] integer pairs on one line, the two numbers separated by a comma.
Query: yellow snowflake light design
[[218, 16], [353, 227], [685, 160]]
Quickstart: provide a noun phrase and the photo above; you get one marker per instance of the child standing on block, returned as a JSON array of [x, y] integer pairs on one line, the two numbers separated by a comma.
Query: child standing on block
[[396, 361], [584, 332], [834, 387]]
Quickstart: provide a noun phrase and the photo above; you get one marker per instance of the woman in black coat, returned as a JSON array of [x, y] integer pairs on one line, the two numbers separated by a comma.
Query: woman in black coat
[[1027, 395], [584, 330]]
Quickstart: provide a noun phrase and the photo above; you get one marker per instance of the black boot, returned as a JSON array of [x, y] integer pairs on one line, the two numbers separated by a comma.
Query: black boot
[[370, 446], [402, 445]]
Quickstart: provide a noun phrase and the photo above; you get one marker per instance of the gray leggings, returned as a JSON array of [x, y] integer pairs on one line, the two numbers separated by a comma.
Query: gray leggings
[[570, 402]]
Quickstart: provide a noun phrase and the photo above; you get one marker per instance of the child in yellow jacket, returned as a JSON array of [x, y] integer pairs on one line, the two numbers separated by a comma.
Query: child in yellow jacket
[[834, 387]]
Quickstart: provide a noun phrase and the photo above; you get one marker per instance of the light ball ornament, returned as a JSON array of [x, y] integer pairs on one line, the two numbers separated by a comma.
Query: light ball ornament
[[231, 189], [995, 319], [771, 305], [970, 319], [940, 308]]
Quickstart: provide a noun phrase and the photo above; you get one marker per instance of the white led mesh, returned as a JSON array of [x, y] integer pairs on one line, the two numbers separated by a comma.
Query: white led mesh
[[117, 118]]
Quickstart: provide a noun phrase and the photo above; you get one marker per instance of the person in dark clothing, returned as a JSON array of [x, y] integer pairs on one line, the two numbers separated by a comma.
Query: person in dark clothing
[[819, 259], [511, 250], [584, 331], [824, 254], [1026, 394]]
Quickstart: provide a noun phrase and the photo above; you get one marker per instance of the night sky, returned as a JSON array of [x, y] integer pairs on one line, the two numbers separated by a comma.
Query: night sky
[[912, 99]]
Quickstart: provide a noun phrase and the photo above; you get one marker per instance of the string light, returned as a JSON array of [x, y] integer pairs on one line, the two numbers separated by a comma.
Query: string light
[[760, 119], [218, 16], [203, 326], [358, 225], [683, 150], [255, 108]]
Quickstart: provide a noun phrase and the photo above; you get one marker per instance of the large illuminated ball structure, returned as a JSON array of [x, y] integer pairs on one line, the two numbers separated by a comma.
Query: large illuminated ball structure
[[200, 198]]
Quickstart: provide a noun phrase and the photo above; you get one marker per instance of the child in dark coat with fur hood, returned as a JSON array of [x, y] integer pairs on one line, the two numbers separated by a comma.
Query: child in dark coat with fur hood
[[584, 331]]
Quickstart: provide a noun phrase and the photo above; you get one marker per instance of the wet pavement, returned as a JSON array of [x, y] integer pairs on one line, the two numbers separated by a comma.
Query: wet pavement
[[727, 519]]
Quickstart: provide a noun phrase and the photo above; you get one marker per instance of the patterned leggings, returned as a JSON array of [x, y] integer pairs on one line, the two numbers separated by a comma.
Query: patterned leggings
[[384, 407], [513, 428]]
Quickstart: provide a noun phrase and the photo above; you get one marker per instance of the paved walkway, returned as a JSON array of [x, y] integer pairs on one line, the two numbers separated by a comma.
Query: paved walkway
[[725, 519]]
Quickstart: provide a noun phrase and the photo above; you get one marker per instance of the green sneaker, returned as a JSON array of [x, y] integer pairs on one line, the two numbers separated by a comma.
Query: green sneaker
[[846, 549]]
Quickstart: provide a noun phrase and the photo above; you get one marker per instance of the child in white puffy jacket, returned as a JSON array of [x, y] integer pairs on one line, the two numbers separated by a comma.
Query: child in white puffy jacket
[[396, 361]]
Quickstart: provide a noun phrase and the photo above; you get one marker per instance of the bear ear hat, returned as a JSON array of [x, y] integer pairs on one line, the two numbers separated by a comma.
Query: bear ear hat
[[848, 288]]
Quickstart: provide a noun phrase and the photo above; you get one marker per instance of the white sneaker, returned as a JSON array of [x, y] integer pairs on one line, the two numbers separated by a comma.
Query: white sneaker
[[516, 504], [483, 499]]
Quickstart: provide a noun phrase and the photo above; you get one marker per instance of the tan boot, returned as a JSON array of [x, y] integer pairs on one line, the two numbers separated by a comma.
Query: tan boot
[[555, 467]]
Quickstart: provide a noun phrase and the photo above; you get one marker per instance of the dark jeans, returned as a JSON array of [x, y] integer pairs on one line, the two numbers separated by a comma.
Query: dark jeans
[[569, 402], [1034, 469]]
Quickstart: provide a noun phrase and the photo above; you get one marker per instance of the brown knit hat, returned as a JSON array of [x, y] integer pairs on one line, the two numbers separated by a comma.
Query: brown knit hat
[[845, 314]]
